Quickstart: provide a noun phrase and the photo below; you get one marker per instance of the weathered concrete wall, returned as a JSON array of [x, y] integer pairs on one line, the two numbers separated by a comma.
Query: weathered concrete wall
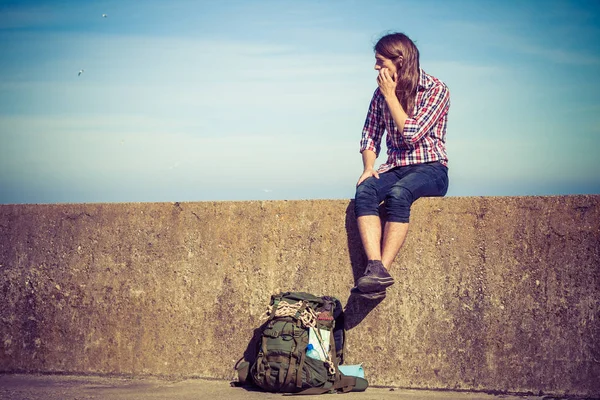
[[491, 293]]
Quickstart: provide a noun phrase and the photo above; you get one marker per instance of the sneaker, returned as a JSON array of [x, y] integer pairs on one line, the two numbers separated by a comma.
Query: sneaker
[[375, 279], [369, 296]]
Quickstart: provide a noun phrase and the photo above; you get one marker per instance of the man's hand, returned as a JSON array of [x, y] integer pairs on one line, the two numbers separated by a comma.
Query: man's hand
[[387, 83], [387, 86], [367, 174]]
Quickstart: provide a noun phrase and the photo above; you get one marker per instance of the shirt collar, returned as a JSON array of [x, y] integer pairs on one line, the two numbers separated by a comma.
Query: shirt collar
[[424, 80]]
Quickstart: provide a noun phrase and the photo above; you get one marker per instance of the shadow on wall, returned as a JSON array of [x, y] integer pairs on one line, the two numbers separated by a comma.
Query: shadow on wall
[[357, 308]]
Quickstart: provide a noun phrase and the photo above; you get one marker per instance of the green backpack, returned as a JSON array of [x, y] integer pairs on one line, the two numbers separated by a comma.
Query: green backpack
[[296, 319]]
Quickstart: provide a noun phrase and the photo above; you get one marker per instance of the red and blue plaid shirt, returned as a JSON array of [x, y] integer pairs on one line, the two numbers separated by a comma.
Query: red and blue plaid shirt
[[424, 136]]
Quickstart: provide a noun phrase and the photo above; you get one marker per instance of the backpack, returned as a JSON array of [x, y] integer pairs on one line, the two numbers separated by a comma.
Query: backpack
[[296, 319]]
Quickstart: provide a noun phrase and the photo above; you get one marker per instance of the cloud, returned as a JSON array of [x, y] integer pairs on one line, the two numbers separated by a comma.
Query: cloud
[[557, 55], [574, 46], [210, 87], [268, 96], [113, 145]]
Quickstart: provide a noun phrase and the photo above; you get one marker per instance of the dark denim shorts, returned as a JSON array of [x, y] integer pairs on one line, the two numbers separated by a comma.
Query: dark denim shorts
[[398, 188]]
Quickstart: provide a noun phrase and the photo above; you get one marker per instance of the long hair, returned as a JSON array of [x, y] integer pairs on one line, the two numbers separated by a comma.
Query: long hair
[[404, 54]]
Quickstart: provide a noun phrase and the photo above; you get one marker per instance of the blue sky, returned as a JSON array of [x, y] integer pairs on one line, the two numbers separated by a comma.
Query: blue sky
[[189, 100]]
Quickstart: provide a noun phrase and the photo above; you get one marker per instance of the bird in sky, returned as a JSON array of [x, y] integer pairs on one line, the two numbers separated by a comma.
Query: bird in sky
[[80, 72], [104, 15]]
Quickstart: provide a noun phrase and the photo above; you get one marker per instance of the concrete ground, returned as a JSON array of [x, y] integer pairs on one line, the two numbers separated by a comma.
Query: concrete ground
[[64, 387]]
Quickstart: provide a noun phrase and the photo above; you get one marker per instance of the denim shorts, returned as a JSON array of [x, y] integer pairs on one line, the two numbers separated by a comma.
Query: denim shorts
[[398, 188]]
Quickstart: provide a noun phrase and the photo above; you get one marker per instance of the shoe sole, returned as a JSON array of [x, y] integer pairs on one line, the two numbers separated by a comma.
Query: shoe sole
[[373, 296], [370, 284], [369, 296]]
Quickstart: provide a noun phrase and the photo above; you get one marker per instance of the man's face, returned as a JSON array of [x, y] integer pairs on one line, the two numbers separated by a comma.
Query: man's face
[[381, 62]]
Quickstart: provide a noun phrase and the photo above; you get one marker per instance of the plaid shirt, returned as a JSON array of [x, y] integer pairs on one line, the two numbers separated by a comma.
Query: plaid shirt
[[424, 137]]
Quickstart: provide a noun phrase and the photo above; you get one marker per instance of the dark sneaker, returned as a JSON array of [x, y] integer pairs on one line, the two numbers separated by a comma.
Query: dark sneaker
[[375, 279], [370, 296]]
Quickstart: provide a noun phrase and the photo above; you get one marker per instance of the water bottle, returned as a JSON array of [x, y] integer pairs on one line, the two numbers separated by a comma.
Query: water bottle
[[312, 352]]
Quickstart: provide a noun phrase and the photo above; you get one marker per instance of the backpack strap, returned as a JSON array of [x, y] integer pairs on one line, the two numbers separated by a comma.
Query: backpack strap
[[341, 382], [297, 366], [345, 384], [333, 353], [243, 369], [265, 368]]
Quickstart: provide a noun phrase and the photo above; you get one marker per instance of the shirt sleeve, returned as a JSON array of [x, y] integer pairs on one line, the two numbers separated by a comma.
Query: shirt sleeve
[[437, 102], [374, 126]]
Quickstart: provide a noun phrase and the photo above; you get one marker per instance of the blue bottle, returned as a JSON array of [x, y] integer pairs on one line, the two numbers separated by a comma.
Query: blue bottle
[[312, 352]]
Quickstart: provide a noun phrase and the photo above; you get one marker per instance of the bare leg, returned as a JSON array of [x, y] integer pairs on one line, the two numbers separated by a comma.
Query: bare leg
[[369, 227], [376, 279], [394, 235]]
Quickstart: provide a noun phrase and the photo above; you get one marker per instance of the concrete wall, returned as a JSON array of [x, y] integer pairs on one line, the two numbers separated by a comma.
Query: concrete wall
[[491, 294]]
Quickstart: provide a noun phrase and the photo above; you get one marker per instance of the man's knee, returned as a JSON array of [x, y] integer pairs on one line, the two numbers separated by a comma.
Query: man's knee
[[397, 203], [366, 189], [365, 200], [399, 195]]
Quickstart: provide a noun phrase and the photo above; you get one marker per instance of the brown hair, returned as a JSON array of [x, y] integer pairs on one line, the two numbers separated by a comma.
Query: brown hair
[[404, 54]]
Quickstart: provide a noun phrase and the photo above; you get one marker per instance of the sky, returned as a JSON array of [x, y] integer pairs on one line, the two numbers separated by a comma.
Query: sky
[[194, 100]]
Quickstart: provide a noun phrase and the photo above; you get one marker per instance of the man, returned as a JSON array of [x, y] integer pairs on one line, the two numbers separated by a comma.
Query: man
[[412, 108]]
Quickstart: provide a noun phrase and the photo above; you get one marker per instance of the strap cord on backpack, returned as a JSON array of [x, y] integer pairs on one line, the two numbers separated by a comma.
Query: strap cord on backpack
[[299, 310]]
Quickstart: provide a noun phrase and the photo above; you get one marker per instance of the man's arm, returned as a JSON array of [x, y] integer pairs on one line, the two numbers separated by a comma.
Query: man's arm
[[387, 85], [368, 157], [371, 139], [413, 129]]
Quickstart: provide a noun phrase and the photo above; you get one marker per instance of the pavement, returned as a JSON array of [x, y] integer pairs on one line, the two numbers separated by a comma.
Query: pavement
[[75, 387]]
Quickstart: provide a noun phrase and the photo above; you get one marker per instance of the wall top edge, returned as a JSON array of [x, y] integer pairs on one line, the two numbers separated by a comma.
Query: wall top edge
[[591, 196]]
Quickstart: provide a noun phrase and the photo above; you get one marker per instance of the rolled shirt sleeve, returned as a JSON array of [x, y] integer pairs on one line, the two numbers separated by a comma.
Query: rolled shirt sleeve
[[374, 127]]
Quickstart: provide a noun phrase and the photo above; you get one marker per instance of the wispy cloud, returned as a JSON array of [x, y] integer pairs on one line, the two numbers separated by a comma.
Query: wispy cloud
[[496, 35], [181, 97], [557, 55]]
